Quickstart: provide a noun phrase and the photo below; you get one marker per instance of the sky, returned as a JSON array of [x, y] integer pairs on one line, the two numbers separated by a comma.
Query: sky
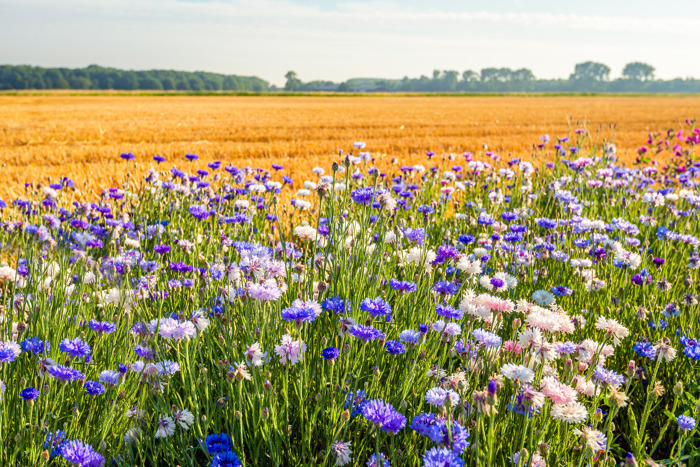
[[337, 40]]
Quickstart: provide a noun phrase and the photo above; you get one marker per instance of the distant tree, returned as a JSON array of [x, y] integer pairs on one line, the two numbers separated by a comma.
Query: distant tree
[[523, 74], [470, 76], [591, 72], [293, 83], [638, 71], [169, 83]]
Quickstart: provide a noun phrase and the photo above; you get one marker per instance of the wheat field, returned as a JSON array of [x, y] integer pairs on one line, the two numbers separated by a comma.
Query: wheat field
[[45, 137]]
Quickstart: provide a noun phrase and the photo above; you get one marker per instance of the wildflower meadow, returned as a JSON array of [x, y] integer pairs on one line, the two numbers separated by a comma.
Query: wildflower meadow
[[473, 310]]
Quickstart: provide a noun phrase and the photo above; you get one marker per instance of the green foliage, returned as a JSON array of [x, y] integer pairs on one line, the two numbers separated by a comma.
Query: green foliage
[[99, 78]]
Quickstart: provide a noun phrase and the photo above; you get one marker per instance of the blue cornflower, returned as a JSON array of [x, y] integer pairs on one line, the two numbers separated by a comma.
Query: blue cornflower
[[685, 422], [102, 326], [199, 211], [366, 333], [36, 346], [144, 352], [127, 156], [94, 388], [226, 459], [76, 348], [547, 223], [29, 394], [402, 286], [330, 353], [487, 338], [65, 373], [645, 349], [376, 307], [561, 291], [191, 157], [448, 312], [445, 252], [109, 377], [364, 195], [336, 305], [509, 216], [416, 236], [217, 443], [409, 336], [299, 314], [355, 401], [383, 462], [394, 347], [466, 239], [446, 287]]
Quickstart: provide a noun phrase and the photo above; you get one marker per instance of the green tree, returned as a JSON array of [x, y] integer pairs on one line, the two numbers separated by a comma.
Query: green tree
[[293, 83], [638, 71], [591, 72]]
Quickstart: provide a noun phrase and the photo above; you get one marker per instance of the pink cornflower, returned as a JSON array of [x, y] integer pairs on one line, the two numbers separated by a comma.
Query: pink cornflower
[[290, 350], [558, 392]]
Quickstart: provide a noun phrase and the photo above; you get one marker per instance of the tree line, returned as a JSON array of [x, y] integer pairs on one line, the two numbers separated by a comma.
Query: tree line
[[101, 78], [586, 77]]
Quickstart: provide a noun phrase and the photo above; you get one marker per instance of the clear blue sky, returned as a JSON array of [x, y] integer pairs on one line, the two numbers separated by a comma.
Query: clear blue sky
[[336, 40]]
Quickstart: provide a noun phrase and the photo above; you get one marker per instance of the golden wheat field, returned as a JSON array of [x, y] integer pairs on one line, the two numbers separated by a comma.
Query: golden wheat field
[[49, 136]]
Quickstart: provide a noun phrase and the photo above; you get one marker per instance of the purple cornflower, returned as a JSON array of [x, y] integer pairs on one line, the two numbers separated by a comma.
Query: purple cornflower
[[76, 348], [383, 414], [127, 156], [94, 388], [109, 377], [29, 394], [330, 353], [161, 249], [102, 326], [448, 312], [658, 262], [602, 375], [441, 457], [199, 211], [191, 157], [394, 347], [159, 159], [8, 352], [78, 453]]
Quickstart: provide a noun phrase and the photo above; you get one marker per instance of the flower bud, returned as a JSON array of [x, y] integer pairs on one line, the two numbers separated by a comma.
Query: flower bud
[[345, 416], [265, 414], [678, 389]]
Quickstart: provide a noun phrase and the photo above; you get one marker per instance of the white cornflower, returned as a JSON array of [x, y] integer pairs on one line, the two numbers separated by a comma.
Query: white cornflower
[[166, 427]]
